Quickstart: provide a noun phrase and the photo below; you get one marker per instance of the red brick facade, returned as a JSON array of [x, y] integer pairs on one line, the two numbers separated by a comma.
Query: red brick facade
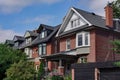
[[35, 52], [63, 42]]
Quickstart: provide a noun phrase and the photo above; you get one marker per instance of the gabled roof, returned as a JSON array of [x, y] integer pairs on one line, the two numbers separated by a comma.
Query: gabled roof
[[18, 38], [45, 26], [90, 17], [32, 33], [9, 42], [38, 40], [93, 18]]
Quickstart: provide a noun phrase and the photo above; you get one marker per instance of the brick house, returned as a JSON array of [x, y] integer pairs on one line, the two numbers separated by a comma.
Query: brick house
[[85, 37], [43, 44], [82, 37]]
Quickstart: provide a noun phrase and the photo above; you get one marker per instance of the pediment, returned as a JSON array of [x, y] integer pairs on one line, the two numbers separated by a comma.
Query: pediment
[[72, 20]]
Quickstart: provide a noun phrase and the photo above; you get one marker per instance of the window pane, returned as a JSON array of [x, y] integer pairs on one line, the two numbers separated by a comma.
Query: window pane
[[43, 34], [67, 44], [40, 49], [86, 38], [44, 49], [80, 40]]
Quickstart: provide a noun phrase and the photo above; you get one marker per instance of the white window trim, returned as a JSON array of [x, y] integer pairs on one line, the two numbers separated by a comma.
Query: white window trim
[[66, 45], [83, 39]]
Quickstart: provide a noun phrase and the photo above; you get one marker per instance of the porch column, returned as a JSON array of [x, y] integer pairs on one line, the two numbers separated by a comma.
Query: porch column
[[60, 68], [73, 74]]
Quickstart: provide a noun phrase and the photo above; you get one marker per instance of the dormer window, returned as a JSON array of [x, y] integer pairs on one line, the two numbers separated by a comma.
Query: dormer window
[[43, 34], [75, 23]]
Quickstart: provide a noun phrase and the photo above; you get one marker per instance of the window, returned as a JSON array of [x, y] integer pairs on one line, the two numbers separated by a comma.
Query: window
[[43, 34], [37, 67], [28, 40], [68, 44], [75, 23], [83, 60], [42, 49], [16, 44], [82, 39]]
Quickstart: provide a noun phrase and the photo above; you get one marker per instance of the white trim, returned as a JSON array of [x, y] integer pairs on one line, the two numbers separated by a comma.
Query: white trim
[[81, 17], [83, 39], [68, 14]]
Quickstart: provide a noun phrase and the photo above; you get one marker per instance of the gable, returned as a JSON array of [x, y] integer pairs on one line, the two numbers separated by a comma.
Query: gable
[[27, 34], [71, 16], [15, 39], [74, 22]]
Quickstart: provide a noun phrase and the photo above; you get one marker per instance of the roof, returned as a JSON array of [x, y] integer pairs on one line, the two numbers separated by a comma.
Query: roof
[[46, 27], [93, 18], [32, 33], [39, 40], [19, 38], [67, 55], [11, 42], [95, 21]]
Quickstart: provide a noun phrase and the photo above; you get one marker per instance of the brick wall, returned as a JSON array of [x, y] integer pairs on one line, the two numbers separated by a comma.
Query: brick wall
[[63, 42], [49, 48], [101, 47], [92, 55], [35, 52]]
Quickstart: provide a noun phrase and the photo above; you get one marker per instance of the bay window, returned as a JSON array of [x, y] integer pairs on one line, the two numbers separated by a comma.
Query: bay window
[[82, 39]]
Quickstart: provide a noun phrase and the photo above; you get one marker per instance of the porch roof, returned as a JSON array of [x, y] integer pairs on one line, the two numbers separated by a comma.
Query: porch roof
[[66, 55]]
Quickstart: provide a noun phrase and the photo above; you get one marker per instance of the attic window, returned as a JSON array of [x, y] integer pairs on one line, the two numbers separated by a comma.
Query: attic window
[[75, 23]]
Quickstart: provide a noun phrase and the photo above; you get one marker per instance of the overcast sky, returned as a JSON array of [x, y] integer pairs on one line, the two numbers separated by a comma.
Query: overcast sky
[[17, 16]]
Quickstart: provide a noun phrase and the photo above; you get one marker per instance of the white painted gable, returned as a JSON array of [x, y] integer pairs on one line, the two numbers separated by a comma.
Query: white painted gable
[[74, 17], [27, 34]]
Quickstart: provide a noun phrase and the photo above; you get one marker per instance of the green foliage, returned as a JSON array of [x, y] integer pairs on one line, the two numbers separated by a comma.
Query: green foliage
[[68, 77], [116, 8], [22, 70], [117, 64], [56, 77], [116, 44], [41, 71], [8, 56]]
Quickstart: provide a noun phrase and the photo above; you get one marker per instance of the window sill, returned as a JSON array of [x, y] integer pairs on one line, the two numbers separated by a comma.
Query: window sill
[[82, 46]]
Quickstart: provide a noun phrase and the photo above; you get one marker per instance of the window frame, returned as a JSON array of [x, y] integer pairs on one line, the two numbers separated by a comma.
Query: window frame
[[83, 61], [41, 49], [75, 23], [83, 39], [67, 44]]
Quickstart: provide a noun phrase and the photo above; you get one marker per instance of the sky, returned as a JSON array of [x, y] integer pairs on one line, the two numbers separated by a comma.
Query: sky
[[17, 16]]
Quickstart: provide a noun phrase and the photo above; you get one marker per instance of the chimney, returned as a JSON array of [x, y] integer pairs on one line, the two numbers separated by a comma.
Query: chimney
[[109, 15]]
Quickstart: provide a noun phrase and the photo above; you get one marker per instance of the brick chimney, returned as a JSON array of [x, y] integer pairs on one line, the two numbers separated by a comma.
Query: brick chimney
[[109, 15]]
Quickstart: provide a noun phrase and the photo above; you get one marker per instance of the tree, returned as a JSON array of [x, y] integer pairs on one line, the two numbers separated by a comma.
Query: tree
[[116, 8], [41, 71], [22, 70], [116, 44], [9, 56]]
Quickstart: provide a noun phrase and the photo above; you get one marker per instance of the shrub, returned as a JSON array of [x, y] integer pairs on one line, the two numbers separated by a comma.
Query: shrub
[[57, 77], [68, 77]]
